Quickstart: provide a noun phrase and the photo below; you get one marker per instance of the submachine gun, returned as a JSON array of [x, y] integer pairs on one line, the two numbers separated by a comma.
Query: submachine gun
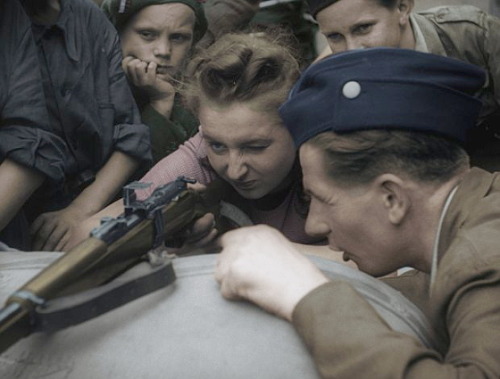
[[44, 303]]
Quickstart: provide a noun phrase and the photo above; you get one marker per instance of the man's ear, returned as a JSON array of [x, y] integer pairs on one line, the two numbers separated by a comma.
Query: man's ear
[[405, 7], [395, 198]]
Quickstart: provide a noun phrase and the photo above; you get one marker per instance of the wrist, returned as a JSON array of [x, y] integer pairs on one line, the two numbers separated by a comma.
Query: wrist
[[300, 291], [163, 106], [309, 298], [78, 211]]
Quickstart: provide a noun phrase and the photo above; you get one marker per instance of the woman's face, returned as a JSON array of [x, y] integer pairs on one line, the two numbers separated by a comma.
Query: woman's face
[[358, 24], [251, 150], [162, 34]]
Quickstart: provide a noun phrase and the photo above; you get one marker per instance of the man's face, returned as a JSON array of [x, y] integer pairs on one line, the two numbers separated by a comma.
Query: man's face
[[353, 219], [162, 34], [356, 24]]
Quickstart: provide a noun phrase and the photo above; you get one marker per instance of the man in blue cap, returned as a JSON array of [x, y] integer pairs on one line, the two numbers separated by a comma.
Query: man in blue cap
[[390, 186]]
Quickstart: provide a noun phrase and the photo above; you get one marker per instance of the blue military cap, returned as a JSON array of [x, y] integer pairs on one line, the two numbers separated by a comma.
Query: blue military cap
[[382, 88]]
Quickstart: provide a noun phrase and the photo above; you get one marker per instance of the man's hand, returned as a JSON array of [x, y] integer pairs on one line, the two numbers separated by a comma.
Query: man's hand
[[51, 231], [259, 264]]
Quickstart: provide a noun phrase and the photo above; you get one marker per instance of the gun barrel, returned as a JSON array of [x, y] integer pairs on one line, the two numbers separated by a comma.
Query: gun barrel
[[15, 321], [14, 324], [67, 269]]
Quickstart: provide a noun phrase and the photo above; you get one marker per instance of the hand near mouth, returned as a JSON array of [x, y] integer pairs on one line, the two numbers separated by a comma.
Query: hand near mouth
[[153, 80]]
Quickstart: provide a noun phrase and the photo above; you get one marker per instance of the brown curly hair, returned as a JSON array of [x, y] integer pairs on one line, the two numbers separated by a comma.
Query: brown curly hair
[[258, 68]]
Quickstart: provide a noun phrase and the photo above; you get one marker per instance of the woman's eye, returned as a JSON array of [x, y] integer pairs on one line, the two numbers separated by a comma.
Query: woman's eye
[[217, 147], [335, 37], [363, 29], [256, 147], [180, 38]]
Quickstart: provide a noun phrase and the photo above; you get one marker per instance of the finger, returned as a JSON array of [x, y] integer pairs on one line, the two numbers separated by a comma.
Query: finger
[[37, 224], [128, 65], [226, 257], [126, 61], [63, 242], [228, 290], [42, 234], [152, 79], [201, 228], [231, 237], [209, 238], [137, 71], [220, 267], [150, 75], [53, 239], [196, 186], [203, 225]]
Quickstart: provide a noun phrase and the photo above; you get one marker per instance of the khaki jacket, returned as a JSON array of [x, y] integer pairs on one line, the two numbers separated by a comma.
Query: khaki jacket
[[347, 338], [469, 34], [225, 16]]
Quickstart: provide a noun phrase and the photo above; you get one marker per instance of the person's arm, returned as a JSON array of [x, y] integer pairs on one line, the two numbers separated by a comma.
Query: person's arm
[[168, 134], [199, 234], [129, 149], [17, 183], [346, 337], [356, 340], [185, 161], [52, 230], [130, 136], [29, 152]]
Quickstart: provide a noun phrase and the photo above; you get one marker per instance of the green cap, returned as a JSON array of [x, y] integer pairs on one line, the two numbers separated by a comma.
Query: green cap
[[120, 11]]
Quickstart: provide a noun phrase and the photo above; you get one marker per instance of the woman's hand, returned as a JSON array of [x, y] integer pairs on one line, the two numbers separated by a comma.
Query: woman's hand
[[201, 234]]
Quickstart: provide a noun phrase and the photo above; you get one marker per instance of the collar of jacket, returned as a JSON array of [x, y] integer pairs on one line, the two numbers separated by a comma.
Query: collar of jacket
[[474, 186], [431, 37], [67, 24]]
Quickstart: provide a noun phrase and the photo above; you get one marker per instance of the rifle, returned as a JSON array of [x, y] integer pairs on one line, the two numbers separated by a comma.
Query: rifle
[[112, 248]]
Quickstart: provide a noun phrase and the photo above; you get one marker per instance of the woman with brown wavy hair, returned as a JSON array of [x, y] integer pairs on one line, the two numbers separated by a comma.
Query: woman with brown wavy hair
[[235, 88]]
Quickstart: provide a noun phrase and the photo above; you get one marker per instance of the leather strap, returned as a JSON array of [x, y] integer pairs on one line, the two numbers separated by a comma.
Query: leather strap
[[62, 312]]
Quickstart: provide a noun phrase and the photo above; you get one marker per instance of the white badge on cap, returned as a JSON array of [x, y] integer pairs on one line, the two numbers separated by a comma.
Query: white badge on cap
[[351, 90]]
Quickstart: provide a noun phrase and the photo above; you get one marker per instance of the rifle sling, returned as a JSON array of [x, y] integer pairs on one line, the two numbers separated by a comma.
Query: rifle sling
[[62, 312]]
